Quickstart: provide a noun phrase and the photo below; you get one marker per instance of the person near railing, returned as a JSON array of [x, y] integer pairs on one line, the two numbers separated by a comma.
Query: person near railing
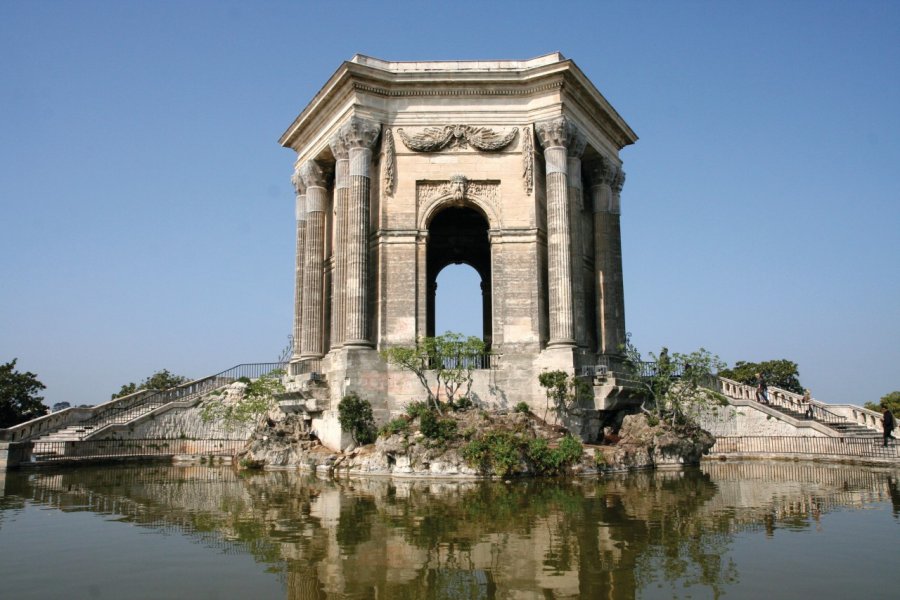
[[806, 402], [762, 389], [888, 422]]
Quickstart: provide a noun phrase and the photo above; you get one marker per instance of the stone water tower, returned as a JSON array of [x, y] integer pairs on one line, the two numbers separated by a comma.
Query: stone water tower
[[403, 168]]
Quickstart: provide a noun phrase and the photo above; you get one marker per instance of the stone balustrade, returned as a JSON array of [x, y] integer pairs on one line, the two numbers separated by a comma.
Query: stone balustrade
[[859, 415], [64, 418], [780, 397]]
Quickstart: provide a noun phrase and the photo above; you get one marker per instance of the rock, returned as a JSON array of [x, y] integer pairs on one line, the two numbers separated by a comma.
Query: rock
[[641, 445], [289, 444]]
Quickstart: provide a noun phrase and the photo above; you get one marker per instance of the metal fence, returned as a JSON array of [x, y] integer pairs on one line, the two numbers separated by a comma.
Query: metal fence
[[43, 452], [795, 445], [485, 360], [129, 409]]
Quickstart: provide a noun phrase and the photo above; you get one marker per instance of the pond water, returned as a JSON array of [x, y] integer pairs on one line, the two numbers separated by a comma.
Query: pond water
[[733, 530]]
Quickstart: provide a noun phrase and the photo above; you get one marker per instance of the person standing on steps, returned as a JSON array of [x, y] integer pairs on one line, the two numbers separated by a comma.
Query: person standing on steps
[[888, 422], [762, 390], [807, 401]]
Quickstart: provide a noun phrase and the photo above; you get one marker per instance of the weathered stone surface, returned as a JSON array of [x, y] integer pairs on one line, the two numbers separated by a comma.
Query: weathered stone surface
[[498, 144], [641, 445]]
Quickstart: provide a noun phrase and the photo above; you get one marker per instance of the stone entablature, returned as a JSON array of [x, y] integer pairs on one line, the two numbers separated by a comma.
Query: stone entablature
[[511, 167]]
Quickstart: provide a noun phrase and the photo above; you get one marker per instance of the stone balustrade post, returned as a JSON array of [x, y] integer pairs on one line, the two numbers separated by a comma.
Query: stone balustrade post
[[312, 334], [359, 136], [339, 276], [300, 208], [556, 136]]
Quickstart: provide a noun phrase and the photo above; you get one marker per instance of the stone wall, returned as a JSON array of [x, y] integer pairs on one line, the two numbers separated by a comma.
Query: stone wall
[[744, 419], [186, 422]]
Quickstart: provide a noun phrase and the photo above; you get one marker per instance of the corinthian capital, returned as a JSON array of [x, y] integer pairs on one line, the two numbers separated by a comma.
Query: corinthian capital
[[360, 133], [297, 181], [618, 182], [603, 171], [312, 174], [561, 132], [338, 145]]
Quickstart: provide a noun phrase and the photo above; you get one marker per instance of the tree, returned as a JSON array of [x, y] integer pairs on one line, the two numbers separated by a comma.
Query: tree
[[355, 416], [450, 357], [889, 401], [779, 373], [19, 401], [563, 390], [61, 406], [161, 380], [677, 386]]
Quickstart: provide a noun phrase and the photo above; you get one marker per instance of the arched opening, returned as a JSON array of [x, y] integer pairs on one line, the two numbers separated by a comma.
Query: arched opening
[[458, 301], [458, 236]]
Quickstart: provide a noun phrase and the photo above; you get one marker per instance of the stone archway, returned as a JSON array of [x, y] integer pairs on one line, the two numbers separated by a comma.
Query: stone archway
[[459, 235]]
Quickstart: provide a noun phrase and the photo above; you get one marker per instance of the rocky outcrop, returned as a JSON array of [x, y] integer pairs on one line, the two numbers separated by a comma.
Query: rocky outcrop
[[641, 445], [408, 452]]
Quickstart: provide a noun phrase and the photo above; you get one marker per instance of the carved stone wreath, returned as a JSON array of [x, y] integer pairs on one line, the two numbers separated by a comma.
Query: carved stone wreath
[[433, 139]]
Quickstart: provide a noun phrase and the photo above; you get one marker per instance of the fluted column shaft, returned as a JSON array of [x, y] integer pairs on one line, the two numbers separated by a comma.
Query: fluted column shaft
[[555, 136], [338, 279], [606, 177], [575, 202], [312, 334], [298, 275], [360, 136]]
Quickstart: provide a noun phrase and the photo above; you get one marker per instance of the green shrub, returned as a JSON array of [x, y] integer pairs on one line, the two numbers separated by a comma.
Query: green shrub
[[498, 452], [551, 461], [435, 428], [415, 409], [522, 407], [463, 403], [355, 416], [398, 425]]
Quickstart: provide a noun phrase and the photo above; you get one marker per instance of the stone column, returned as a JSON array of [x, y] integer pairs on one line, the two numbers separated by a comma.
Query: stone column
[[359, 135], [606, 183], [555, 136], [312, 343], [575, 195], [338, 278], [300, 189]]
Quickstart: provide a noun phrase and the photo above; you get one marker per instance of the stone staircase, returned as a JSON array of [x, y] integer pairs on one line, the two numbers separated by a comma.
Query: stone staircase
[[80, 424], [792, 405]]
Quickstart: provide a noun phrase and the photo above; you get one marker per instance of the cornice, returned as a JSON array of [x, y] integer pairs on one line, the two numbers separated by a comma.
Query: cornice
[[352, 81]]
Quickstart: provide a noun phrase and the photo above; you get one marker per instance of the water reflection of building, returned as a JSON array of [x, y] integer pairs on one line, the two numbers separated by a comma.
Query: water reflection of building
[[600, 538]]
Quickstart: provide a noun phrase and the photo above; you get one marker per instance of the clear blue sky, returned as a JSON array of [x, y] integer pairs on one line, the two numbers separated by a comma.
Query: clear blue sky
[[147, 213]]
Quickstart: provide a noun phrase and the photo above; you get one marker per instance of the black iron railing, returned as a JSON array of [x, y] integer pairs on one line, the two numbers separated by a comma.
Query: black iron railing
[[43, 452], [813, 446], [485, 360], [132, 407]]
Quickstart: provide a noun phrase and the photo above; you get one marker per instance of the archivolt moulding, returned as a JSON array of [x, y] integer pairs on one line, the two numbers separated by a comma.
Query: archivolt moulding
[[432, 196]]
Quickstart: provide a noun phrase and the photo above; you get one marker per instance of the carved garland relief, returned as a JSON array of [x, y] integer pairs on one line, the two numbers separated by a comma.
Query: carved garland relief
[[433, 139]]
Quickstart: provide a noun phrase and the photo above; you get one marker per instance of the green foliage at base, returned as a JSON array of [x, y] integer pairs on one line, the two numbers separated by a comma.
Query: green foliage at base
[[436, 428], [394, 426], [522, 407], [258, 397], [355, 416], [504, 453]]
